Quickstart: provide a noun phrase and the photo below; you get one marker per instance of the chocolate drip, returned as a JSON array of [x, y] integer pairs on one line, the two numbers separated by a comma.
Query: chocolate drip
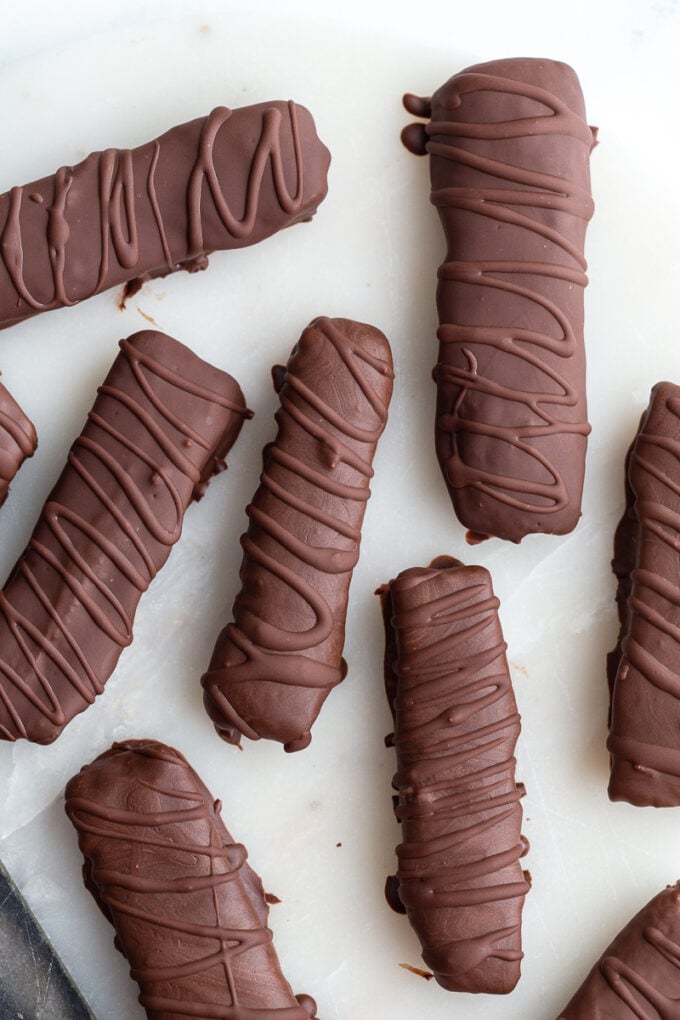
[[644, 667], [161, 424], [219, 182], [509, 150], [456, 725], [273, 667], [17, 440], [638, 975], [190, 914]]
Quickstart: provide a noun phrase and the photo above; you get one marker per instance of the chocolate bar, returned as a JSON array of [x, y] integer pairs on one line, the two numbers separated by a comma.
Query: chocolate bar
[[219, 182], [638, 975], [159, 429], [17, 440], [274, 666], [456, 723], [643, 669], [189, 912], [509, 154]]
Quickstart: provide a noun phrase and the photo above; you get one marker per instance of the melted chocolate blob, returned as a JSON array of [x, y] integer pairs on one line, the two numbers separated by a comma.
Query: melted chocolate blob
[[274, 666], [220, 182], [644, 667], [190, 914], [459, 878], [160, 427], [509, 163]]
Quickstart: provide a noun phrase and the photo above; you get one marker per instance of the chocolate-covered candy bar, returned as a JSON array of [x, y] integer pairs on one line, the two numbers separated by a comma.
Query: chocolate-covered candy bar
[[509, 154], [638, 975], [189, 912], [17, 440], [159, 429], [219, 182], [644, 668], [459, 878], [273, 667]]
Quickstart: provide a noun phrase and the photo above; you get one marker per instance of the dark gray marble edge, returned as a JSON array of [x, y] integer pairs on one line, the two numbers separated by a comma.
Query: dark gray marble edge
[[34, 983]]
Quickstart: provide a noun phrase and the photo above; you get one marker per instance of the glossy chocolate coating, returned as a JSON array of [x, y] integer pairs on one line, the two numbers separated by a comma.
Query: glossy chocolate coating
[[509, 163], [190, 914], [220, 182], [161, 424], [17, 440], [644, 738], [274, 666], [456, 724], [638, 975]]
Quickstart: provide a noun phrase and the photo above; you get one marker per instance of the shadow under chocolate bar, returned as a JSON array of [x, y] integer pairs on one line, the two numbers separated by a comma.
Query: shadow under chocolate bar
[[638, 975], [219, 182], [644, 668], [274, 666], [459, 878], [189, 913], [159, 429], [509, 151], [17, 440]]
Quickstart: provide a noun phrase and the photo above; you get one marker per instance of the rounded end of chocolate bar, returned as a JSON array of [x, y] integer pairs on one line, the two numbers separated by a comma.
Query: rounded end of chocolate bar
[[414, 138], [299, 743]]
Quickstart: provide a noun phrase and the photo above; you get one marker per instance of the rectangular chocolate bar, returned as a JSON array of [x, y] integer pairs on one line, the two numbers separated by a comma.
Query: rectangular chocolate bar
[[189, 913], [644, 668], [274, 666], [509, 151], [219, 182], [161, 424], [638, 975], [459, 877], [17, 440]]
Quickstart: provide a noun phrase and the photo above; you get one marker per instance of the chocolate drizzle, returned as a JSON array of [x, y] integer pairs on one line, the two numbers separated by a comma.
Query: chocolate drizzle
[[274, 666], [220, 182], [644, 667], [189, 913], [17, 440], [638, 975], [456, 725], [509, 152], [158, 431]]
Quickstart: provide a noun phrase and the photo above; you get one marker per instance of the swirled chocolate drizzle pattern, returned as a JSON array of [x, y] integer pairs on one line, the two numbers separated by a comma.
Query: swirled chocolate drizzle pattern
[[17, 440], [189, 913], [161, 424], [638, 975], [509, 150], [273, 667], [456, 724], [645, 666], [219, 182]]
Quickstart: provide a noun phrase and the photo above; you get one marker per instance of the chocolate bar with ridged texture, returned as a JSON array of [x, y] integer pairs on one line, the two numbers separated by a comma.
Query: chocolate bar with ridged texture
[[17, 440], [643, 669], [219, 182], [274, 666], [459, 876], [638, 975], [159, 429], [509, 151], [189, 912]]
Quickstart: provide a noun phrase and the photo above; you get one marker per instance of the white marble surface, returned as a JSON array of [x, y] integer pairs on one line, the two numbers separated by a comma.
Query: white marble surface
[[76, 77]]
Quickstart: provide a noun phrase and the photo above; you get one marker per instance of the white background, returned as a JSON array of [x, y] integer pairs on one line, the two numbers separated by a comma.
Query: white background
[[76, 77]]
